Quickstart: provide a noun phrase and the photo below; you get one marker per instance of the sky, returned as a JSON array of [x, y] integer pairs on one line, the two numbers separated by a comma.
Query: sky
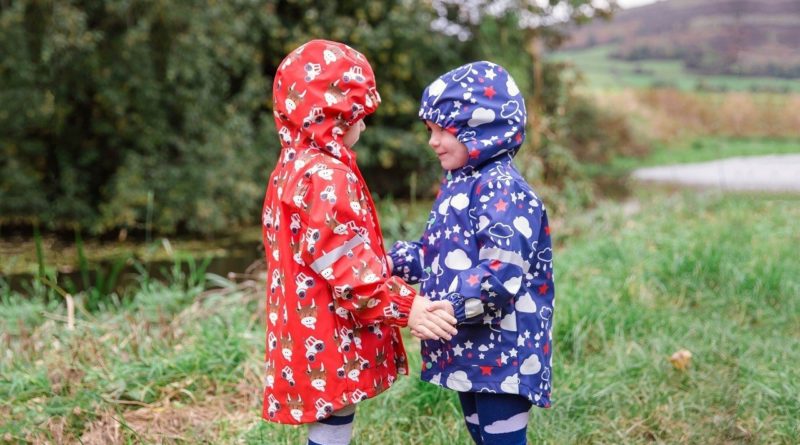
[[634, 3]]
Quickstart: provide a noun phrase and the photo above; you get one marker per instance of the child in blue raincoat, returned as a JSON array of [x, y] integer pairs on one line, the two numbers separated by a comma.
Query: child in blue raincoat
[[486, 249]]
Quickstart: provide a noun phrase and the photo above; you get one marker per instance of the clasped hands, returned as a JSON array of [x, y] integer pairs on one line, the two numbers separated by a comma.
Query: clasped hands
[[432, 320]]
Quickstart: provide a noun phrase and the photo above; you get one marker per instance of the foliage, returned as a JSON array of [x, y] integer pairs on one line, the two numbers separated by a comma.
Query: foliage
[[110, 106]]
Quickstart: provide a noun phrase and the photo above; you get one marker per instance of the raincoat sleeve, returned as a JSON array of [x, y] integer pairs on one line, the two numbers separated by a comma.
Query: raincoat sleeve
[[505, 232], [342, 245], [407, 260]]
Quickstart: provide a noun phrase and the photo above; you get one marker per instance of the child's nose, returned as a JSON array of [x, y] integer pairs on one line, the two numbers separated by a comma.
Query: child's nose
[[433, 141]]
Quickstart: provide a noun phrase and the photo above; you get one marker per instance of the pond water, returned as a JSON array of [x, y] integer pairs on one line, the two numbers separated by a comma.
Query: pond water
[[236, 259]]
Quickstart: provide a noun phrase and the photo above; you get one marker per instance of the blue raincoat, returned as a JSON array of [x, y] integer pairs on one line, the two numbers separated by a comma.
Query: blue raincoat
[[486, 247]]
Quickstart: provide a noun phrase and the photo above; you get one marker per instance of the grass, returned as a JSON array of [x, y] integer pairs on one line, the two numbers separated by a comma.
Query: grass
[[707, 272], [604, 72]]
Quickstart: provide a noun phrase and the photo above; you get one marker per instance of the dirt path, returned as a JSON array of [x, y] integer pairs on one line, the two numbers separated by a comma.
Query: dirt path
[[774, 173]]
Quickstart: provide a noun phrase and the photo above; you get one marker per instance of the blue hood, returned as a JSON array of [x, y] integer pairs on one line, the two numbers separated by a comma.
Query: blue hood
[[481, 104]]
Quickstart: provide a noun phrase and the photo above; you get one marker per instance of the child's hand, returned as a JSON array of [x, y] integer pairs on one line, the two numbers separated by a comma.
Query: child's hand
[[431, 320]]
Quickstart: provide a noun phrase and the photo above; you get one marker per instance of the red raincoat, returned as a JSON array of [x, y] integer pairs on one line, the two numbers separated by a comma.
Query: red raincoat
[[333, 308]]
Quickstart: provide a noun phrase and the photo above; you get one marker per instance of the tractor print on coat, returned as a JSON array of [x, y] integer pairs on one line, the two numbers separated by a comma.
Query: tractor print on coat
[[333, 309]]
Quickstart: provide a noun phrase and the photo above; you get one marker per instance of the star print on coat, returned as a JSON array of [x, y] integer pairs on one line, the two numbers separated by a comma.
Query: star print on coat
[[486, 245], [333, 311]]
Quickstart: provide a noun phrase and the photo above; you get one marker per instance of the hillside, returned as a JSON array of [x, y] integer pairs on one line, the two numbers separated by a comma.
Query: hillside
[[743, 37]]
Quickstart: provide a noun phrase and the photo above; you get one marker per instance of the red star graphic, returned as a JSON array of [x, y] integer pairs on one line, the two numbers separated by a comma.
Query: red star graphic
[[478, 189], [451, 130], [518, 138], [486, 370], [543, 289], [546, 348], [474, 154], [547, 230], [473, 280], [499, 361], [501, 206], [495, 264], [549, 276], [489, 92]]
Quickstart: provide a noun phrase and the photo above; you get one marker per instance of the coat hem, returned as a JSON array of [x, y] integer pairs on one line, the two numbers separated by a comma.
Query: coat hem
[[543, 402]]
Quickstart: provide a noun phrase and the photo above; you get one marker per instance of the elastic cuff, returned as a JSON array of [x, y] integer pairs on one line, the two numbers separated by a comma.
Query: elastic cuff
[[401, 298], [457, 300], [398, 261]]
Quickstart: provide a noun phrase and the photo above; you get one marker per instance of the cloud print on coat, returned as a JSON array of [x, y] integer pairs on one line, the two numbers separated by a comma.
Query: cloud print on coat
[[511, 384], [531, 365], [460, 201], [500, 230], [525, 304], [523, 226], [545, 255], [457, 260], [458, 381], [509, 322], [481, 116]]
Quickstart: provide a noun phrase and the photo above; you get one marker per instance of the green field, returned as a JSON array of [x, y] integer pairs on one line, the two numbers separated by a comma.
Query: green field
[[603, 72], [711, 273]]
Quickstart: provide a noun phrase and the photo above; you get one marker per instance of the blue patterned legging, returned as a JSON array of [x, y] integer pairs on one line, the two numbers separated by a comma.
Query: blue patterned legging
[[495, 419]]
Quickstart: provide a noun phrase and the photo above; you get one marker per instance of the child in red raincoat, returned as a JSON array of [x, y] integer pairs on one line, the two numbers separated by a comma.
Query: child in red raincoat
[[333, 308]]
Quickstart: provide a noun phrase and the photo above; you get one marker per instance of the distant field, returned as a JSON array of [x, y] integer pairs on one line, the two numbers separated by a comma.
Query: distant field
[[603, 72]]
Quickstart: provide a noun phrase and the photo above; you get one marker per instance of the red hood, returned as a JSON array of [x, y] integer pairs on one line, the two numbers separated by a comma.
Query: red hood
[[320, 89]]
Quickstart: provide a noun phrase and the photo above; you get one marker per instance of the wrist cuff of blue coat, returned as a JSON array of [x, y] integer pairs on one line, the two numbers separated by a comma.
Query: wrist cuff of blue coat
[[464, 308], [398, 255]]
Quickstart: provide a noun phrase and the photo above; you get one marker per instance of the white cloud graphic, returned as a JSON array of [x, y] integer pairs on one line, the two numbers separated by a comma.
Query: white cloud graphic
[[525, 304], [509, 322], [513, 284], [510, 384], [512, 87], [481, 116], [514, 423], [457, 260], [443, 206], [436, 89], [483, 222], [509, 109], [459, 381], [523, 226], [531, 365], [500, 230], [545, 255], [473, 419], [460, 201]]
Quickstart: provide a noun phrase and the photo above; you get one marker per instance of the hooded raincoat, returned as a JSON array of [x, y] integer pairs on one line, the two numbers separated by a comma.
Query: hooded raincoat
[[486, 247], [333, 310]]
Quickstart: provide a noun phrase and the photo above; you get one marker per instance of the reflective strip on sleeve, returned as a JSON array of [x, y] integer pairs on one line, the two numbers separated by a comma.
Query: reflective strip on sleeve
[[327, 260]]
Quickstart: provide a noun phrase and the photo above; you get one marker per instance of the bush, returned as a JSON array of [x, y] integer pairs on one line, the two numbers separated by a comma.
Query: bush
[[116, 110]]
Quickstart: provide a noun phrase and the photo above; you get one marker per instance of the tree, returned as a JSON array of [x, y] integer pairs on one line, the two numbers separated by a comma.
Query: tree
[[540, 21]]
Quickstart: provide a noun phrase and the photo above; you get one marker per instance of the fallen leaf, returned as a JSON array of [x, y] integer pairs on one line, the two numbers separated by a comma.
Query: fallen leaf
[[681, 359]]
